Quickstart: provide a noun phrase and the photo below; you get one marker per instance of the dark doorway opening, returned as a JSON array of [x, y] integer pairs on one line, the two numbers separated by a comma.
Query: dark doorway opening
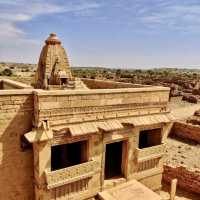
[[113, 160], [149, 138], [67, 155], [63, 81]]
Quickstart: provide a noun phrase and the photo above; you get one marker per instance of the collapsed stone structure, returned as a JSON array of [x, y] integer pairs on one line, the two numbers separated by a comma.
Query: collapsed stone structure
[[188, 178], [182, 160], [71, 139], [189, 128]]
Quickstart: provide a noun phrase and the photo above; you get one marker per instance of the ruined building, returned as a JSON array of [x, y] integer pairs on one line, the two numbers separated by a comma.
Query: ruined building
[[79, 139]]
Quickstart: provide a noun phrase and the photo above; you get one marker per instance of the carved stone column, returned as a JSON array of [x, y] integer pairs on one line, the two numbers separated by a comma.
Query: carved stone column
[[42, 162]]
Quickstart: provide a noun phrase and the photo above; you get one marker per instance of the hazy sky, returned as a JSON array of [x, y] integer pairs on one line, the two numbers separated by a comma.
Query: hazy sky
[[116, 33]]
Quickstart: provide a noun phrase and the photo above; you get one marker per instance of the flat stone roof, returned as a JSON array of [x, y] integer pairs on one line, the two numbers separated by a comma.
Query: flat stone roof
[[132, 190]]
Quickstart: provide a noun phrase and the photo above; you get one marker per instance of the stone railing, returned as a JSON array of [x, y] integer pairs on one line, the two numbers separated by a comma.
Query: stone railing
[[150, 153], [148, 164], [69, 190], [71, 174]]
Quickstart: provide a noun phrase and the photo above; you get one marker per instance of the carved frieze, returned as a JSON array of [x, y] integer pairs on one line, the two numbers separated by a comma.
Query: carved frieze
[[69, 190], [148, 164]]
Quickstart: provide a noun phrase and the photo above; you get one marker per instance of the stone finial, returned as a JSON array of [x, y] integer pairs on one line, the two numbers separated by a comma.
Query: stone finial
[[53, 39]]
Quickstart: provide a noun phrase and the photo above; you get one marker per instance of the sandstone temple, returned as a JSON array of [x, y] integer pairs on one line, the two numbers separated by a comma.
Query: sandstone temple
[[65, 138]]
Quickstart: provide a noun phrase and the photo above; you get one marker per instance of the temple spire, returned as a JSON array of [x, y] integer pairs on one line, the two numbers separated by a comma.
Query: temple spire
[[53, 70]]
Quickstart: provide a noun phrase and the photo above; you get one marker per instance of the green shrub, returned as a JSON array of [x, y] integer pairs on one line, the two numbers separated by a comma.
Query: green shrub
[[7, 72]]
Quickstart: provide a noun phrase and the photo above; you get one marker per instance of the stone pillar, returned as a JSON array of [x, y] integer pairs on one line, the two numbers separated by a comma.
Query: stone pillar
[[173, 189], [132, 145], [166, 131], [42, 162]]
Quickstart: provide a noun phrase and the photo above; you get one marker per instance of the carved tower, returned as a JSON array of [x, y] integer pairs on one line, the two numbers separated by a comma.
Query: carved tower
[[53, 70]]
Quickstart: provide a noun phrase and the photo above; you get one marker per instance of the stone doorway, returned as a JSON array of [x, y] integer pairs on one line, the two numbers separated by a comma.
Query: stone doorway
[[113, 160]]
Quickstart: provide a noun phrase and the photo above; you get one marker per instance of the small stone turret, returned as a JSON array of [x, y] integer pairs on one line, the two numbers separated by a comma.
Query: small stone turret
[[53, 70]]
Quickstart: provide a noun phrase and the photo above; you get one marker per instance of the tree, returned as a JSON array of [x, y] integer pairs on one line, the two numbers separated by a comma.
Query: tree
[[7, 72], [118, 73]]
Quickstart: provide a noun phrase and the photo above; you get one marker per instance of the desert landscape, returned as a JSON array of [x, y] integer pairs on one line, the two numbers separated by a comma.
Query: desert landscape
[[99, 100]]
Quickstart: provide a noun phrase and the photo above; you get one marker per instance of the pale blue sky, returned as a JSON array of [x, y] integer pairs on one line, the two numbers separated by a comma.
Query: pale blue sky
[[113, 33]]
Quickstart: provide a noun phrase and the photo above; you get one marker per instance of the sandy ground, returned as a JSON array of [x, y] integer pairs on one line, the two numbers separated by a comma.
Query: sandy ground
[[181, 110], [182, 152], [176, 102]]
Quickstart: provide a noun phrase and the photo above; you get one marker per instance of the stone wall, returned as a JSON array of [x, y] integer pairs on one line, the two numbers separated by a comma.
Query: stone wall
[[188, 179], [6, 84], [100, 84], [16, 165], [64, 107], [185, 130]]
